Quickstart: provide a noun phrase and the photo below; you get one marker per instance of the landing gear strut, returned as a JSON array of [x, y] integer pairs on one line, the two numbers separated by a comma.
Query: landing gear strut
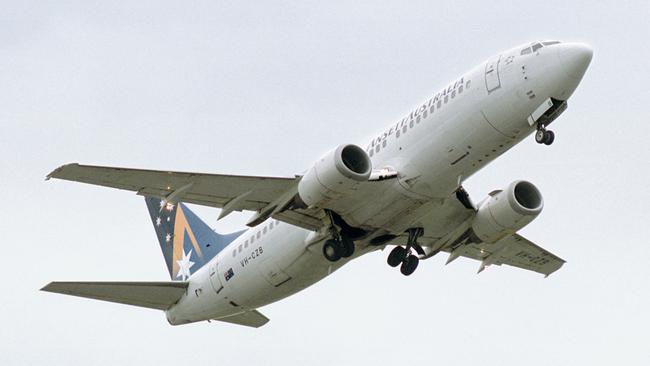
[[400, 255], [544, 136], [340, 246]]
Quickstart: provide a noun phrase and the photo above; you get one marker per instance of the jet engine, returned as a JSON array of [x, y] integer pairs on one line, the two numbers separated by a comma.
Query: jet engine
[[504, 212], [334, 175]]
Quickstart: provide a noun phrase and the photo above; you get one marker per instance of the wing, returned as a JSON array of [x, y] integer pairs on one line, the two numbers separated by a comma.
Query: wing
[[153, 295], [514, 250], [229, 192]]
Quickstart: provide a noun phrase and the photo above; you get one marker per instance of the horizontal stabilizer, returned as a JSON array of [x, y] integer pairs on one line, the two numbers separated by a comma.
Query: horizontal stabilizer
[[153, 295], [252, 318]]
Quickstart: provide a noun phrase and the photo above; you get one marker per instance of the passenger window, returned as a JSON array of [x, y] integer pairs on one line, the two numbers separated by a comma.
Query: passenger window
[[453, 94], [397, 133], [446, 98], [240, 248], [246, 244], [264, 230], [411, 123], [405, 128], [432, 108], [525, 51], [252, 239], [384, 143], [259, 234], [418, 119], [234, 253], [424, 114], [377, 148], [460, 89], [439, 103], [371, 152], [536, 46]]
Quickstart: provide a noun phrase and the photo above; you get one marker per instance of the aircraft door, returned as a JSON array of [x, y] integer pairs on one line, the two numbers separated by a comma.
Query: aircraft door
[[492, 78], [215, 279]]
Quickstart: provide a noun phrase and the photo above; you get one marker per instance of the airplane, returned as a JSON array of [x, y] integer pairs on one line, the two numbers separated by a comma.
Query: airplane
[[403, 190]]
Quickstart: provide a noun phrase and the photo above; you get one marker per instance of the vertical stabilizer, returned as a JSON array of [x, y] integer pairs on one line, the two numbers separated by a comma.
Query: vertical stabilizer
[[186, 241]]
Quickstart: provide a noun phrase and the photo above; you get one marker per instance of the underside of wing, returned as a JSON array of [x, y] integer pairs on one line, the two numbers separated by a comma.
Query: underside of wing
[[513, 250], [204, 189], [266, 195], [153, 295]]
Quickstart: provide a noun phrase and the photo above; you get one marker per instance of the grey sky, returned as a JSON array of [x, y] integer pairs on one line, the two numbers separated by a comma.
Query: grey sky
[[265, 88]]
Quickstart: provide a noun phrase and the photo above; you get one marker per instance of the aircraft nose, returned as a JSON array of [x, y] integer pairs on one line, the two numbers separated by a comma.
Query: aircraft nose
[[575, 58]]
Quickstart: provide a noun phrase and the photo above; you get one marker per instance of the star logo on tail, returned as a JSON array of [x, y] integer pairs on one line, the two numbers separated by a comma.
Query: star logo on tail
[[184, 265]]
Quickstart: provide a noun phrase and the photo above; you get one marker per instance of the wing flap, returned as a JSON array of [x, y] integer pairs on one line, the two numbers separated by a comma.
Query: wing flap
[[251, 318], [153, 295]]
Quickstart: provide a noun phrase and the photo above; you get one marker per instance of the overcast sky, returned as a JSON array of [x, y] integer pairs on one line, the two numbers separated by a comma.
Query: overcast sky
[[265, 88]]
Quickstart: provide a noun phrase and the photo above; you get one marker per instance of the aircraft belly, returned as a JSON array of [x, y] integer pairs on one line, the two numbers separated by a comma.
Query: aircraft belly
[[306, 269]]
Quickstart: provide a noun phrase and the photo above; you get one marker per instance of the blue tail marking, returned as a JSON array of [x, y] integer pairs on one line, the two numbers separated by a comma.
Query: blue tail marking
[[186, 241]]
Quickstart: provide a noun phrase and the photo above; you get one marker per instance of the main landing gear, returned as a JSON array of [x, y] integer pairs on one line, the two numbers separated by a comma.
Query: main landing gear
[[340, 246], [335, 249], [544, 136], [400, 255]]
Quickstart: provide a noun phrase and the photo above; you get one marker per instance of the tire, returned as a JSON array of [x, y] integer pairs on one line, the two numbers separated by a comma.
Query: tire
[[331, 250], [409, 265], [540, 136], [549, 137], [396, 256], [346, 247]]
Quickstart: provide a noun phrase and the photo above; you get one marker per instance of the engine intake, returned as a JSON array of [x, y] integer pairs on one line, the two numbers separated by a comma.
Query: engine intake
[[505, 212], [334, 175]]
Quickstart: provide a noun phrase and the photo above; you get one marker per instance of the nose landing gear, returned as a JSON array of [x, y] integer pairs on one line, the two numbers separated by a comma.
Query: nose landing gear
[[544, 136], [400, 255]]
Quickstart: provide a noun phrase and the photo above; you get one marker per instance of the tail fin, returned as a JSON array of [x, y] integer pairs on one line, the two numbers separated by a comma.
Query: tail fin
[[187, 242]]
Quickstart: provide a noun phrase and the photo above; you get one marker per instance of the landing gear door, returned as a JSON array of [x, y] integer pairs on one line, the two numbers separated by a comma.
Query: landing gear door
[[215, 278], [492, 79]]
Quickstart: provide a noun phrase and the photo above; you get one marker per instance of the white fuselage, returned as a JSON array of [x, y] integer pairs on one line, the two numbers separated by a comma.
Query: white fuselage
[[442, 142]]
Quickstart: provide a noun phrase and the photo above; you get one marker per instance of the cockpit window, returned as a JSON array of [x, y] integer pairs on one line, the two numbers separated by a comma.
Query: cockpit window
[[549, 43], [536, 46], [525, 51]]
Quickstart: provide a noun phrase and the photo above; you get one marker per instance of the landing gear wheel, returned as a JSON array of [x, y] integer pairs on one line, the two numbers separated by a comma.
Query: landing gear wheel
[[396, 256], [549, 137], [409, 265], [346, 247], [332, 250], [543, 136]]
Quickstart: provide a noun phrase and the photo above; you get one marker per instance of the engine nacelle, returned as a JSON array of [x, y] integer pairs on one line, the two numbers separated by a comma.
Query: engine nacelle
[[507, 211], [334, 175]]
